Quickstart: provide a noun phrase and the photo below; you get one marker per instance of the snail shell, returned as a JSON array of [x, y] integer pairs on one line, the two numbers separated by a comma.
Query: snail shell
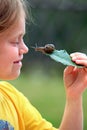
[[48, 48]]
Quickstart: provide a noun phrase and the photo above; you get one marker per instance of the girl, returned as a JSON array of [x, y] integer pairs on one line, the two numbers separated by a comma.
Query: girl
[[16, 112]]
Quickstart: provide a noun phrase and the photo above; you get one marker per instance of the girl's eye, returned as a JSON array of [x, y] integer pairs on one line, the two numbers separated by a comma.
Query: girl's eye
[[15, 42]]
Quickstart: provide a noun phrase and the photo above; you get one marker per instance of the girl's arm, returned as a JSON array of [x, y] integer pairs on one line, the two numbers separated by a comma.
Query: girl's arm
[[75, 81]]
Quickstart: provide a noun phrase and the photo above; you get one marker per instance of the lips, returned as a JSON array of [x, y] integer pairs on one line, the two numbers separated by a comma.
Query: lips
[[17, 61]]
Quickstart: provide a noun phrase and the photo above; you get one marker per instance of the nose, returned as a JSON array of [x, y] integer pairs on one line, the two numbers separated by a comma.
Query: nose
[[23, 48]]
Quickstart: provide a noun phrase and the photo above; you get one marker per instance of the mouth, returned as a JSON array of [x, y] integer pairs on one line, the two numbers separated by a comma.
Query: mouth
[[16, 62]]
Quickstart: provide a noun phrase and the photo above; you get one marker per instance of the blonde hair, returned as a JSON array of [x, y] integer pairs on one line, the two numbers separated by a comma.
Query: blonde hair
[[10, 12]]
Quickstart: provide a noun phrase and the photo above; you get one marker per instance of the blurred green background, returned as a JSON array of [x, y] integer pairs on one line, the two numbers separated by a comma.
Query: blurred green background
[[63, 23]]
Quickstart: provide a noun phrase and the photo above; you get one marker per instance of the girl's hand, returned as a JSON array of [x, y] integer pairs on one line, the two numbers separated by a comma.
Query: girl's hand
[[75, 79], [79, 58]]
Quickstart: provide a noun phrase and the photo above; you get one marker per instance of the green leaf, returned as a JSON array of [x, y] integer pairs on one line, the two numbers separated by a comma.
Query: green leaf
[[63, 57]]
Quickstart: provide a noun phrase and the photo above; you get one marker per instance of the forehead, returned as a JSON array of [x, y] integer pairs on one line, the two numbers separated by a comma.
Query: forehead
[[17, 28]]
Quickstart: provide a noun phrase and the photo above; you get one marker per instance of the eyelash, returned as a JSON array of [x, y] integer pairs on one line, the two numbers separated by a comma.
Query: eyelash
[[16, 42]]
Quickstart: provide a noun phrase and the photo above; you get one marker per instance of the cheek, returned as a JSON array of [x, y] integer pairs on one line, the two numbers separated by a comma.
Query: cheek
[[8, 57], [6, 65], [5, 62], [8, 54]]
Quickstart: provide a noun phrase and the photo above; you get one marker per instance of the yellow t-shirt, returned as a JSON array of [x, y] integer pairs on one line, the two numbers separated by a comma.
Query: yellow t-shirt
[[16, 112]]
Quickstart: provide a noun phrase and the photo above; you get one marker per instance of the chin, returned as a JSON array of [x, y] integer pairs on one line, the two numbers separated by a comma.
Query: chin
[[11, 77], [14, 77]]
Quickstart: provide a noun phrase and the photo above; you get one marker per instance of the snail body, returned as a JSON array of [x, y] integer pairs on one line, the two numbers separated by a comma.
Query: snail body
[[48, 48]]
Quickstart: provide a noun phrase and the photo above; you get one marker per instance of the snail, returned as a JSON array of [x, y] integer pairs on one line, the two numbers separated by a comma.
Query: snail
[[48, 48]]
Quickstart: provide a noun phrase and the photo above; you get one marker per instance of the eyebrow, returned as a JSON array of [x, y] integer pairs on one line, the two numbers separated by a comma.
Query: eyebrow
[[20, 34]]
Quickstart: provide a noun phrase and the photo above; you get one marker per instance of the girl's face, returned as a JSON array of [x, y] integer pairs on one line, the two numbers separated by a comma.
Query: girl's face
[[12, 48]]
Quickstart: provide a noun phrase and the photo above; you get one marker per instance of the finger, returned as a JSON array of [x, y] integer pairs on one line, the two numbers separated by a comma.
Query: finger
[[69, 70], [79, 58], [85, 69], [81, 62], [77, 53]]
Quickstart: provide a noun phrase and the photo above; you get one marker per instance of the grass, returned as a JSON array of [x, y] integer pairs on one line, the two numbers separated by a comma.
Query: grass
[[47, 94]]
